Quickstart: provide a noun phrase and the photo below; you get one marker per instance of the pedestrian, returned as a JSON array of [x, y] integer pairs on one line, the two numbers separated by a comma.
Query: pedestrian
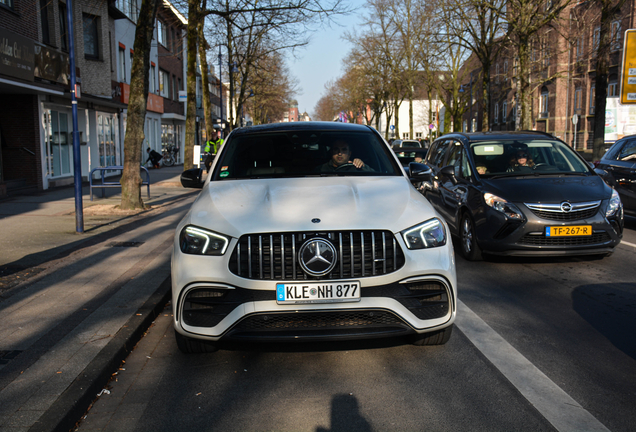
[[153, 157], [212, 146]]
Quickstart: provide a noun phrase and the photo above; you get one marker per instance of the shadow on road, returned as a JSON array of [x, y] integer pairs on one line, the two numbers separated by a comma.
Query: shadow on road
[[345, 416], [611, 310]]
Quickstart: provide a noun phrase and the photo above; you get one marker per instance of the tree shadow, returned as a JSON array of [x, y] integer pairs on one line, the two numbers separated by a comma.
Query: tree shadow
[[611, 310]]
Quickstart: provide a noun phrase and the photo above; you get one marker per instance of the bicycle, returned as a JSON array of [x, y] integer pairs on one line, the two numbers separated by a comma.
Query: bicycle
[[169, 156]]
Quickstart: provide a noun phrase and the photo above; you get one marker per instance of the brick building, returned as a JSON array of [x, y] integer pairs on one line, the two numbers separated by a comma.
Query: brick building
[[35, 100], [563, 62]]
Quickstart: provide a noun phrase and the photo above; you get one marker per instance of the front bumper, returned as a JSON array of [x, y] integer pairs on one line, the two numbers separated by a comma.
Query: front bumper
[[220, 312], [499, 236]]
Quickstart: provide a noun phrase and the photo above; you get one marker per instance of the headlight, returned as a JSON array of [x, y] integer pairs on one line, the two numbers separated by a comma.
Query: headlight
[[197, 241], [614, 204], [428, 234], [500, 204]]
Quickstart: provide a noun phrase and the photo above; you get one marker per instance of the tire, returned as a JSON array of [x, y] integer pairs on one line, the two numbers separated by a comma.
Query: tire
[[193, 346], [168, 161], [439, 337], [469, 248]]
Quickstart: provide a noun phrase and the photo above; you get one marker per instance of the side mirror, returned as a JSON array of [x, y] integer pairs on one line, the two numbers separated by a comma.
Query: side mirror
[[420, 172], [192, 178], [449, 172]]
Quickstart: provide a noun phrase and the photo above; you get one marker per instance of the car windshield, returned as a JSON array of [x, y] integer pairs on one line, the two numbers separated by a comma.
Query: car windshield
[[304, 153], [525, 157]]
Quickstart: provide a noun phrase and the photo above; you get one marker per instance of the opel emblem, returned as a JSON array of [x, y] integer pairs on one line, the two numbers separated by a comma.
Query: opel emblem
[[566, 207], [317, 257]]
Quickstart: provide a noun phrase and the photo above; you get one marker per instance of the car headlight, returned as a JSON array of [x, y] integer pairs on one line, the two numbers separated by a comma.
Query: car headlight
[[614, 204], [503, 206], [428, 234], [197, 241]]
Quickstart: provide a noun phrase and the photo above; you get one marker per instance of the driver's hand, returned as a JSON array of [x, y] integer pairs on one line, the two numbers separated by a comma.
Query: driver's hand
[[358, 163]]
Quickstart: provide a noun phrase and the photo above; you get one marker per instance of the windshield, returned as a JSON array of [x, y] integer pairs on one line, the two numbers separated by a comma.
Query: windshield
[[521, 157], [305, 153]]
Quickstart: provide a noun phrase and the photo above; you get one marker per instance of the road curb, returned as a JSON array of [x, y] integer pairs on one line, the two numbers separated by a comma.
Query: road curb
[[73, 403]]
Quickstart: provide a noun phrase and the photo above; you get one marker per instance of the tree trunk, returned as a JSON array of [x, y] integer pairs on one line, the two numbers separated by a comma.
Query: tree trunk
[[191, 83], [136, 116], [411, 134], [600, 93], [205, 82]]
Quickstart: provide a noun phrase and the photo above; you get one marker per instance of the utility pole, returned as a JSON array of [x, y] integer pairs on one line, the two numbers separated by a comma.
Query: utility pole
[[77, 155]]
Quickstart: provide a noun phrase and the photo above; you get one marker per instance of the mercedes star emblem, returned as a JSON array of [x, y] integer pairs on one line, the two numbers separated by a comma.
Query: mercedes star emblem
[[317, 257]]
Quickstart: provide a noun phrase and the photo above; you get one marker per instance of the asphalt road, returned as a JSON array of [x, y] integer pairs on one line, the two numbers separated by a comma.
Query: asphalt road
[[565, 326]]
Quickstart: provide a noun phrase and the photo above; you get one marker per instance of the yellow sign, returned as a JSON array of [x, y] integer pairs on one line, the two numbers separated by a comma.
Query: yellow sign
[[628, 76]]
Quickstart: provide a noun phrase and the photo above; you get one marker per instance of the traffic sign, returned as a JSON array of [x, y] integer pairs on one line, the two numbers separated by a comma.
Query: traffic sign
[[575, 119], [628, 74]]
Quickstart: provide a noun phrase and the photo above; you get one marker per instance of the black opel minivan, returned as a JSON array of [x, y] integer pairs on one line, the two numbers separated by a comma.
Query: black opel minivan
[[521, 193]]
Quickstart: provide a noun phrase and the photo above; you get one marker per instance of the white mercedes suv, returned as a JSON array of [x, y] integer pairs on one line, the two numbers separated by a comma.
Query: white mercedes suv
[[310, 231]]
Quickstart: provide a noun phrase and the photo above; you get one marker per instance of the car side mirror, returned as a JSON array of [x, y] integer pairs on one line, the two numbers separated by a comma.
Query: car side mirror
[[192, 178], [420, 172], [449, 171]]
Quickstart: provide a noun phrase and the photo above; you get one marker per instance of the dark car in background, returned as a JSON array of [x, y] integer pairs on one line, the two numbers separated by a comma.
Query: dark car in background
[[521, 193], [618, 168], [399, 143], [406, 155]]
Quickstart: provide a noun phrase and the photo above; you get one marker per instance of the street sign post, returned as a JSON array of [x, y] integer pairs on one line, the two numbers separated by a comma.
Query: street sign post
[[628, 73], [575, 120]]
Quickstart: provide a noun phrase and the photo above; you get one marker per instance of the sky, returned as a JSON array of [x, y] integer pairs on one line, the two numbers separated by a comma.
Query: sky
[[321, 60]]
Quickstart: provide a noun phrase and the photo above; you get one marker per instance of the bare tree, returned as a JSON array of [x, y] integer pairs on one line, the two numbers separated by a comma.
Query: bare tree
[[477, 25], [609, 10], [273, 88], [525, 20], [131, 180]]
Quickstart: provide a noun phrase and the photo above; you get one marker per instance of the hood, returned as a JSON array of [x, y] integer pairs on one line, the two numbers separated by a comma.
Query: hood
[[286, 205], [549, 189]]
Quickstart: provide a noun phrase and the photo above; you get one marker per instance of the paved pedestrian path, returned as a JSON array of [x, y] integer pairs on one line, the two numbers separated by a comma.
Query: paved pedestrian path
[[73, 305]]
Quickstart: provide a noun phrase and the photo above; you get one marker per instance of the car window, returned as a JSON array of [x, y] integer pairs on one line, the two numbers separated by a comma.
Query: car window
[[301, 153], [464, 170], [628, 152], [454, 150], [525, 157], [437, 154]]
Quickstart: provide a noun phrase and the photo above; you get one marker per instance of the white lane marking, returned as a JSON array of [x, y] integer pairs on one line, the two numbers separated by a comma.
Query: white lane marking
[[563, 412], [628, 243]]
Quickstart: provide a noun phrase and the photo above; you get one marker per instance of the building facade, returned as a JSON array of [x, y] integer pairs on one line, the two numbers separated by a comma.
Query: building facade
[[562, 75], [35, 99]]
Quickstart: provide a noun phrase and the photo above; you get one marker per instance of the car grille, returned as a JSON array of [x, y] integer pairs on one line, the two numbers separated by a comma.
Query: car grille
[[275, 256], [207, 306], [541, 240], [555, 212], [328, 324]]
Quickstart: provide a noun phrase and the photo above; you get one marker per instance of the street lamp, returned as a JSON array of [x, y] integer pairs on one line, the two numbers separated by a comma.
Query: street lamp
[[220, 91]]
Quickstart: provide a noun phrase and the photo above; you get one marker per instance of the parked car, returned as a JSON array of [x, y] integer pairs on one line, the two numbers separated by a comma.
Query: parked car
[[618, 168], [399, 143], [291, 239], [496, 202]]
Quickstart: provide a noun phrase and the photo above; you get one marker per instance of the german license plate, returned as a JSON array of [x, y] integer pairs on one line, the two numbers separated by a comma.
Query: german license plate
[[332, 292], [568, 231]]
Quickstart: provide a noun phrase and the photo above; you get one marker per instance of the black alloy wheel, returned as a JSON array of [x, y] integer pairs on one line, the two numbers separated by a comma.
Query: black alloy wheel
[[469, 248]]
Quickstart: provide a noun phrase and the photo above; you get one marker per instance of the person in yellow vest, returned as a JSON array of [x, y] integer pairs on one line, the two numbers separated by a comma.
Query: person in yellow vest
[[212, 146]]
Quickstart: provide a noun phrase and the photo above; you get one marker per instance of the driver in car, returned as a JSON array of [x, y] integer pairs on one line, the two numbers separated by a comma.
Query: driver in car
[[341, 159]]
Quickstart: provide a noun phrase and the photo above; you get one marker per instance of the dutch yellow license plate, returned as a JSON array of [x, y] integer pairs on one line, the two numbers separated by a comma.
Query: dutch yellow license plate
[[568, 231]]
